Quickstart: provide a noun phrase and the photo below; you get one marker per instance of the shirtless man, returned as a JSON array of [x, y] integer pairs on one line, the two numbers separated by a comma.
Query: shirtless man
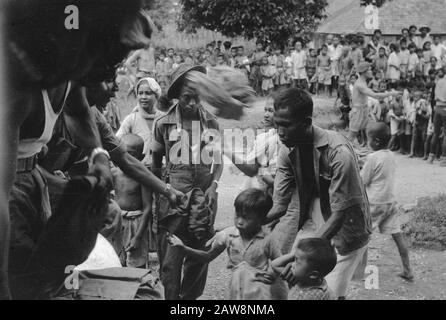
[[361, 92], [135, 201]]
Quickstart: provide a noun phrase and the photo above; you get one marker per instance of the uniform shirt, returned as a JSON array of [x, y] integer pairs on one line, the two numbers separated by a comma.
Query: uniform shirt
[[169, 135], [378, 175], [256, 253]]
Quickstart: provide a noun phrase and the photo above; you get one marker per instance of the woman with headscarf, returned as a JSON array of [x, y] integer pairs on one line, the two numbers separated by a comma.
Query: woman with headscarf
[[140, 120]]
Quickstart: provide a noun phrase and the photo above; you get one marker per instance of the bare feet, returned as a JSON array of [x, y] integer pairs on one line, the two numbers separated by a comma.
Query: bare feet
[[408, 276]]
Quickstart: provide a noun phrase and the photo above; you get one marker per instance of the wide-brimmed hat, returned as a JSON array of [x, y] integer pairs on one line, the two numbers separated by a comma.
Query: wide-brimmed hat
[[178, 78], [363, 67], [425, 28]]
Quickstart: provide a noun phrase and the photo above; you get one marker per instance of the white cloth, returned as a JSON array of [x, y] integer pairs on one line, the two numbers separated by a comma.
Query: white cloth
[[103, 256], [378, 175], [29, 147], [264, 153], [439, 52], [153, 85]]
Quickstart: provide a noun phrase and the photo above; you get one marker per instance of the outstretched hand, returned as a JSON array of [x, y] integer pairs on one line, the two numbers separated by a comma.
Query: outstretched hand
[[174, 241]]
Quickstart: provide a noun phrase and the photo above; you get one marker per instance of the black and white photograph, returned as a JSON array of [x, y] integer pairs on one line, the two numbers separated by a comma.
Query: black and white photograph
[[239, 152]]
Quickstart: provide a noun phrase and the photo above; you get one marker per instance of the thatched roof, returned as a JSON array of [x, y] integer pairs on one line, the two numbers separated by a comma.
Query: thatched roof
[[347, 16]]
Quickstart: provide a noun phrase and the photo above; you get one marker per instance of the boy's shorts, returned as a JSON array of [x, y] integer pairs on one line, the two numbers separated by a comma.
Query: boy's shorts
[[358, 119], [386, 218], [324, 76], [130, 223]]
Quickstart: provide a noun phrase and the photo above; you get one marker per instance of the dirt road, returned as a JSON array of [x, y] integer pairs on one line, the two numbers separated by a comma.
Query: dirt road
[[415, 178]]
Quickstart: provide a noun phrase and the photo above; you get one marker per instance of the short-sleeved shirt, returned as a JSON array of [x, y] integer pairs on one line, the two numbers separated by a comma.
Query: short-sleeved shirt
[[168, 132], [378, 175], [338, 183], [257, 253]]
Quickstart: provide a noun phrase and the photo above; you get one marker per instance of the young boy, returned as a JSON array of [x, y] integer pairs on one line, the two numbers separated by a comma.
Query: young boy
[[413, 61], [378, 175], [421, 121], [375, 82], [135, 202], [311, 69], [397, 120], [323, 66], [249, 249], [380, 62], [314, 258]]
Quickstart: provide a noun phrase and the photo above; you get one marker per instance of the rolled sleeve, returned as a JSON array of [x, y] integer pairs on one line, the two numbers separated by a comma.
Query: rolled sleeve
[[346, 185], [284, 182]]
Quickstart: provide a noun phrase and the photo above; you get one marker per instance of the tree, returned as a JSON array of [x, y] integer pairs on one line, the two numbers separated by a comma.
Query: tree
[[268, 20], [377, 3], [162, 12]]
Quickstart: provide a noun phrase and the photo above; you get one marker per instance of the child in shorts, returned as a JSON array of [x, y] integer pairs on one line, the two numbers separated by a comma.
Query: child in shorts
[[313, 259], [249, 248], [323, 66], [135, 202], [378, 175], [397, 119]]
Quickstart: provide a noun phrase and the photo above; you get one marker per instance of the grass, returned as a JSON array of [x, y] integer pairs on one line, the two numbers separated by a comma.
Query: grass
[[427, 228]]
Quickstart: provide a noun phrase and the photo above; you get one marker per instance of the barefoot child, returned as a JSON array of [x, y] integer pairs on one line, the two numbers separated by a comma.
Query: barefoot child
[[313, 258], [249, 249], [378, 175], [135, 202]]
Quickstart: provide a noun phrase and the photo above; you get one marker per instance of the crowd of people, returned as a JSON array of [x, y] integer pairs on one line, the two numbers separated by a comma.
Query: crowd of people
[[301, 231], [412, 65]]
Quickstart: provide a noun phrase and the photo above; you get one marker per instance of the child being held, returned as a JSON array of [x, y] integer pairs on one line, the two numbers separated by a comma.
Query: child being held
[[135, 202], [378, 175], [249, 249], [313, 260]]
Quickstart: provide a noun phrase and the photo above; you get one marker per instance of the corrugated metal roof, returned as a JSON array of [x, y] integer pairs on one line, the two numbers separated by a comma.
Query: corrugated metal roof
[[347, 16]]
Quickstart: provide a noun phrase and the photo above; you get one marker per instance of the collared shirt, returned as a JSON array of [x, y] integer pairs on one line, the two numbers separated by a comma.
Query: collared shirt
[[338, 183], [256, 253], [169, 138]]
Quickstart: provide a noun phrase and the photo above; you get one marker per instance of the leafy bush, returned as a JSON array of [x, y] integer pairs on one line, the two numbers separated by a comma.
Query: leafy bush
[[427, 228]]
